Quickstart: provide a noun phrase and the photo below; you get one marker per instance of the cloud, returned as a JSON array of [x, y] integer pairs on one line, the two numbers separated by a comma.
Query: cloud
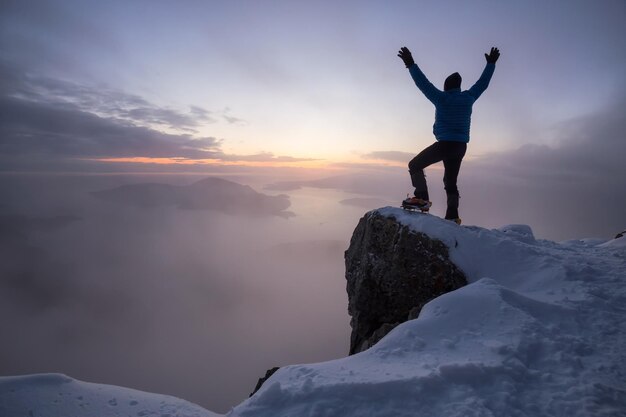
[[33, 281], [200, 113], [117, 285], [104, 102], [42, 118], [395, 156], [165, 117], [390, 185], [263, 157], [365, 203], [36, 128], [58, 39], [232, 119], [588, 148], [48, 124], [571, 188], [365, 166]]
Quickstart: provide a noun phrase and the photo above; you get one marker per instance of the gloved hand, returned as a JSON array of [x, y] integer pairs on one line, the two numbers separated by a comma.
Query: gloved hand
[[406, 56], [493, 56]]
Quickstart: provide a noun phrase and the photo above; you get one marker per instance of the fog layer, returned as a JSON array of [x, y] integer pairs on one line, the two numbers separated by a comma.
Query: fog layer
[[193, 303]]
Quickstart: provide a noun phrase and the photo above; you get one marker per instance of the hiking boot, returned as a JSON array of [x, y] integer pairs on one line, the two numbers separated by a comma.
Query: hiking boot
[[417, 203]]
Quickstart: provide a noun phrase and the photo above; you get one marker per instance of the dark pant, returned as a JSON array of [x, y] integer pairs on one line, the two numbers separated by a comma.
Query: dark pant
[[451, 153]]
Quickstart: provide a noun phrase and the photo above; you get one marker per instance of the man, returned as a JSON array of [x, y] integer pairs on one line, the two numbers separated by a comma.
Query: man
[[451, 129]]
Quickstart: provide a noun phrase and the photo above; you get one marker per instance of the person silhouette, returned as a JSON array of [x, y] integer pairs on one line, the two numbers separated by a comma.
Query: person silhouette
[[453, 111]]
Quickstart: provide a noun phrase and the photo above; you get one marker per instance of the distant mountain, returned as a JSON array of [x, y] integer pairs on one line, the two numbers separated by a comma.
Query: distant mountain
[[207, 194]]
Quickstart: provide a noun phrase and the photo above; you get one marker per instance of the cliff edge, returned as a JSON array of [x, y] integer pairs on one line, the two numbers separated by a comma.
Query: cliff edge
[[538, 330], [392, 272]]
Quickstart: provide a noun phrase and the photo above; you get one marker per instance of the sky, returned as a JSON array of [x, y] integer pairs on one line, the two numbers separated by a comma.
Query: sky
[[311, 80], [306, 99]]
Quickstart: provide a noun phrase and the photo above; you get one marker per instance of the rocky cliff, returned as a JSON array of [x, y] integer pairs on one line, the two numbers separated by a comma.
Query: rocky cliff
[[392, 272]]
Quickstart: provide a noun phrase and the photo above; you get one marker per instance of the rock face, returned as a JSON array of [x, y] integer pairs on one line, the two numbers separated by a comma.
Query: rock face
[[262, 380], [391, 273]]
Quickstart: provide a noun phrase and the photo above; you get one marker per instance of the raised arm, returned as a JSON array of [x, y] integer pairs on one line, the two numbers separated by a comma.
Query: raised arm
[[483, 82], [431, 92]]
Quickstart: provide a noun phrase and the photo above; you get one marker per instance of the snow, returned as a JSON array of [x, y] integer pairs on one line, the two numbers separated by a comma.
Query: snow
[[539, 331], [57, 395]]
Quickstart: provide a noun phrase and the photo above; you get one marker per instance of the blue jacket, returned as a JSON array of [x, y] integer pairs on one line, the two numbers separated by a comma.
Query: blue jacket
[[453, 107]]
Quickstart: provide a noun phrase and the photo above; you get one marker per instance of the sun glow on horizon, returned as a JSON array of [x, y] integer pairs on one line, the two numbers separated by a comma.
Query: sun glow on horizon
[[286, 162], [313, 163]]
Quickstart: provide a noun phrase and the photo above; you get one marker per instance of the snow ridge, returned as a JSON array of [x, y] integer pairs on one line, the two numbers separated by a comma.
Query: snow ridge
[[57, 395], [539, 331]]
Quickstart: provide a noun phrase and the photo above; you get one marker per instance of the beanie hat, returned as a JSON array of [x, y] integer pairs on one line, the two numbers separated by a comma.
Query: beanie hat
[[453, 81]]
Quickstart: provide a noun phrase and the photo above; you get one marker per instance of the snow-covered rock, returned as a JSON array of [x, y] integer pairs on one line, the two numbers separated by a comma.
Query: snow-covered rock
[[539, 331], [392, 272]]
